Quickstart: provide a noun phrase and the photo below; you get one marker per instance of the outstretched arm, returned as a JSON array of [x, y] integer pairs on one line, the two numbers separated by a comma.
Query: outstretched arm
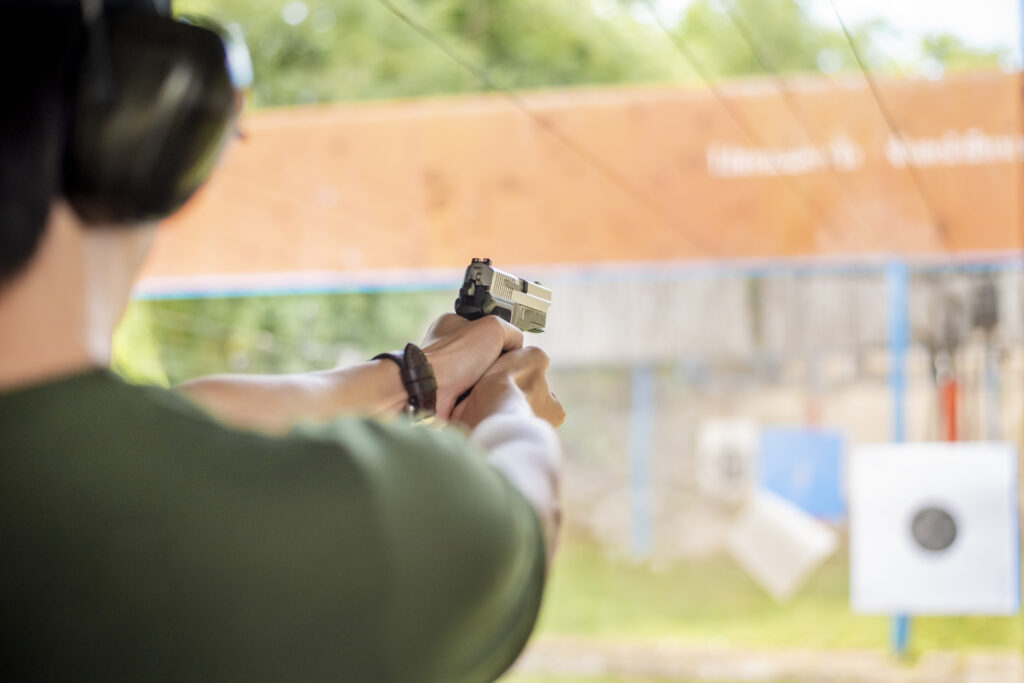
[[460, 352], [275, 403]]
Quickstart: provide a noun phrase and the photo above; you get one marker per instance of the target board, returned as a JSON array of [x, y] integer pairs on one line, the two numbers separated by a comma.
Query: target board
[[726, 460], [935, 529]]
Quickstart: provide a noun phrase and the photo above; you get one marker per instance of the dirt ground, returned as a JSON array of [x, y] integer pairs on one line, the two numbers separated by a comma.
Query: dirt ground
[[579, 659]]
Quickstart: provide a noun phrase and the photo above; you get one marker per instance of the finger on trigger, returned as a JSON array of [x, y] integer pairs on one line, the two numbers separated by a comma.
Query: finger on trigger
[[511, 336]]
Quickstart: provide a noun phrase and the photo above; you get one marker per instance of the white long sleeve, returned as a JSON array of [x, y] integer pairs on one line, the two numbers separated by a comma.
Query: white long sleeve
[[527, 450]]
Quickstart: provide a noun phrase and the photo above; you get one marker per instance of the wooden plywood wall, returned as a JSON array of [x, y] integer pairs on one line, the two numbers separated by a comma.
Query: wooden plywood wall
[[428, 183]]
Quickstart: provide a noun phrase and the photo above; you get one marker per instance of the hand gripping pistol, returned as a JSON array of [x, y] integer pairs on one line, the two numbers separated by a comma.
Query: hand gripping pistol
[[489, 291]]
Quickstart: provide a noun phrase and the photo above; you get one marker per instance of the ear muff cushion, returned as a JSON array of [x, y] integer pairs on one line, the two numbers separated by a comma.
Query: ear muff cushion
[[142, 148]]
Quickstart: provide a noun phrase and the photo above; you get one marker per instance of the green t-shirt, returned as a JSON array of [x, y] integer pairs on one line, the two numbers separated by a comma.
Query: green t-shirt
[[143, 541]]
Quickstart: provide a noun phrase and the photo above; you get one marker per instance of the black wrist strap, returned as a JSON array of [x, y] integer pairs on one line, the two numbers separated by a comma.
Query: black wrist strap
[[418, 378]]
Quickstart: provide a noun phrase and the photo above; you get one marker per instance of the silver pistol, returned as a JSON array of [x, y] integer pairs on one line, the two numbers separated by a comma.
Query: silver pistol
[[489, 291]]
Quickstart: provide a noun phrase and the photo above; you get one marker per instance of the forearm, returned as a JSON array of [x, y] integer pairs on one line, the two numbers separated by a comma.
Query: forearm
[[527, 451], [275, 403]]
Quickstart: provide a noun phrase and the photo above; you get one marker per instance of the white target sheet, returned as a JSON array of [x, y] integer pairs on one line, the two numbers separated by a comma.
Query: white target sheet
[[935, 529]]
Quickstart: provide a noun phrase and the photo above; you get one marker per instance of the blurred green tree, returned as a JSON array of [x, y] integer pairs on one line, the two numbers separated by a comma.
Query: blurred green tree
[[308, 51], [267, 334], [335, 50], [952, 53], [780, 31]]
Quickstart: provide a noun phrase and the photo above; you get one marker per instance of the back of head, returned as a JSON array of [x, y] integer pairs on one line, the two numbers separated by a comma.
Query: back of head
[[38, 47], [110, 105]]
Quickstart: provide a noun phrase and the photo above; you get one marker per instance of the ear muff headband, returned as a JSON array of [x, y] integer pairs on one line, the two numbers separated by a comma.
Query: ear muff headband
[[155, 101]]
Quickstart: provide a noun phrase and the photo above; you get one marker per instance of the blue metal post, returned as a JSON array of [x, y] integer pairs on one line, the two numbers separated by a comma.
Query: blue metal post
[[993, 393], [641, 428], [897, 280]]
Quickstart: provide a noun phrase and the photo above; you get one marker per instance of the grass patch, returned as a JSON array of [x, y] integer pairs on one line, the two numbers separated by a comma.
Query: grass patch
[[594, 596]]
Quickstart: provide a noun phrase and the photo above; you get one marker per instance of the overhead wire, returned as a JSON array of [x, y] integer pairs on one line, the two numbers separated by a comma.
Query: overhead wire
[[741, 122], [746, 34], [625, 185], [894, 128], [813, 133]]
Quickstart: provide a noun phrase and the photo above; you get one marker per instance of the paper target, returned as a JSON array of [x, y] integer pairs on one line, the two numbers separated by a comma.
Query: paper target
[[934, 529]]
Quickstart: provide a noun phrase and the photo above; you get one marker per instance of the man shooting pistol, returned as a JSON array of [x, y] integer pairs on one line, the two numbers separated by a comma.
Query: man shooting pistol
[[279, 527]]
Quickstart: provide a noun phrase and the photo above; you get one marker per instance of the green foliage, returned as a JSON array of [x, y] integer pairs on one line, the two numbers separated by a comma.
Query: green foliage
[[730, 35], [308, 51], [170, 341], [337, 50], [137, 349], [954, 54]]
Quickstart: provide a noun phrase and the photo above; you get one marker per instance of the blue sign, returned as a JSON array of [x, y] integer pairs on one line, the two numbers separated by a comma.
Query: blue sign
[[804, 466]]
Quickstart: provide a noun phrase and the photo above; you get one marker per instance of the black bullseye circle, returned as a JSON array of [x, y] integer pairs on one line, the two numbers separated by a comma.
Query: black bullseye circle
[[933, 529]]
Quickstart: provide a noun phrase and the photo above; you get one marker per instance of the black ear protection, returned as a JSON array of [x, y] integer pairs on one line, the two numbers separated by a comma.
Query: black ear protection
[[154, 102]]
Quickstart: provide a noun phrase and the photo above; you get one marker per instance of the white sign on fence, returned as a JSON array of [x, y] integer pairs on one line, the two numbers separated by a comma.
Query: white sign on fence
[[778, 544], [726, 463]]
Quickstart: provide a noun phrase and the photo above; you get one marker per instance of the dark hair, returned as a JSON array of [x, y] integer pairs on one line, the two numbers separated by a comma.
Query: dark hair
[[38, 56], [41, 43]]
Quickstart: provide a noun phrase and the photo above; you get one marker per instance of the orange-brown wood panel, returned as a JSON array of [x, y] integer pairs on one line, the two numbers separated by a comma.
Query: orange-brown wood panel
[[426, 183]]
